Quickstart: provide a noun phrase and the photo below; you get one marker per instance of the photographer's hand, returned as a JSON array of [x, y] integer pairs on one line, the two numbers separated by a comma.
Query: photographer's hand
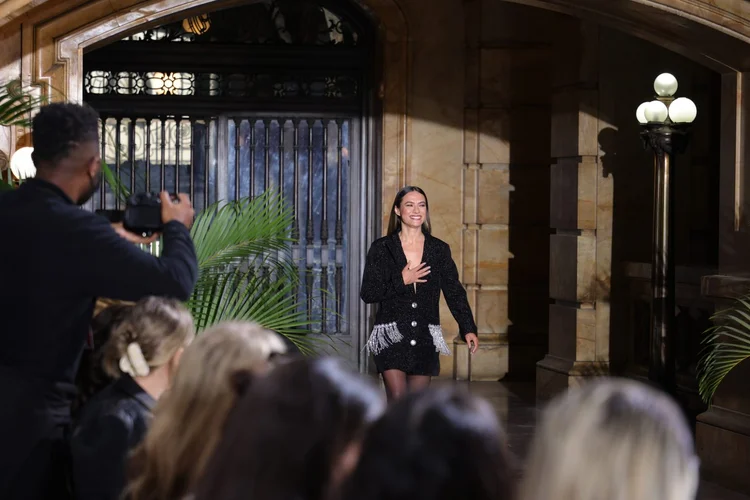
[[132, 237], [181, 211]]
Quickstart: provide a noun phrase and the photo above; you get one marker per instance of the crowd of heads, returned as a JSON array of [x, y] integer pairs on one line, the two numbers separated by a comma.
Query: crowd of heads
[[244, 418]]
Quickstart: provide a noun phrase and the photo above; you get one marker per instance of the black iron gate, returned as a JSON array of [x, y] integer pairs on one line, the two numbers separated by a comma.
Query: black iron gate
[[224, 110]]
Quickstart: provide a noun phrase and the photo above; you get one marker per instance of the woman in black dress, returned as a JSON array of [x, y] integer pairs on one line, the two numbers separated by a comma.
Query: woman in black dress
[[404, 273]]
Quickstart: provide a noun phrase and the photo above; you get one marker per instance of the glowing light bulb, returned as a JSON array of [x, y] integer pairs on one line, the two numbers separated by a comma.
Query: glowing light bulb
[[665, 85], [640, 113], [682, 110], [656, 111], [22, 165]]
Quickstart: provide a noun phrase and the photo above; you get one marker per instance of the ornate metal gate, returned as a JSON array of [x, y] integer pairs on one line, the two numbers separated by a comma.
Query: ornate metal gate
[[222, 108]]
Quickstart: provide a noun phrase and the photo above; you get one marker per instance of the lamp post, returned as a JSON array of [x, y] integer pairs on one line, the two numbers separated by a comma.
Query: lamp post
[[665, 122]]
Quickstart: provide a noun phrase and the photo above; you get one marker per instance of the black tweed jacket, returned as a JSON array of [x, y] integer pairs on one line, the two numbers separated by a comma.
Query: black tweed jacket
[[403, 307]]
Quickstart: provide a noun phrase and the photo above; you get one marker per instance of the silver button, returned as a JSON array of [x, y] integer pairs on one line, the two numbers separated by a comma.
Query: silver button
[[413, 342], [413, 305], [413, 323]]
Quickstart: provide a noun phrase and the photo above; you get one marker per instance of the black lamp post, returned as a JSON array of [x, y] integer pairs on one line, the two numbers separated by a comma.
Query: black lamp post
[[666, 122]]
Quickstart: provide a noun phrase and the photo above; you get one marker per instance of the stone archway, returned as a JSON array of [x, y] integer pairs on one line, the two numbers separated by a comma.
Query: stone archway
[[56, 43], [711, 33], [54, 37], [53, 50]]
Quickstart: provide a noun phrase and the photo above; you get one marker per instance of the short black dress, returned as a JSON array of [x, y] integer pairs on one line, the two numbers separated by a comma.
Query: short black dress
[[407, 335]]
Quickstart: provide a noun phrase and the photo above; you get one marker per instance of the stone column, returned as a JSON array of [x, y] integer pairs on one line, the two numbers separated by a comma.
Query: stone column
[[486, 186], [580, 220]]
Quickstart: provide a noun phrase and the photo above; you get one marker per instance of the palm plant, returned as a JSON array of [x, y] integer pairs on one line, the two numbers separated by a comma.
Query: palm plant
[[245, 272], [244, 268], [725, 345], [16, 106]]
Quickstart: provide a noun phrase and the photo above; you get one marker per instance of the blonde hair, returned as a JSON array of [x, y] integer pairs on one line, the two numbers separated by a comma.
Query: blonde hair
[[615, 439], [148, 336], [189, 418]]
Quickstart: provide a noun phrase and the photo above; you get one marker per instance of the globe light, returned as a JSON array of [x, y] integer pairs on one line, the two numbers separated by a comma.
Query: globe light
[[656, 111], [665, 85], [682, 110], [22, 165], [640, 113]]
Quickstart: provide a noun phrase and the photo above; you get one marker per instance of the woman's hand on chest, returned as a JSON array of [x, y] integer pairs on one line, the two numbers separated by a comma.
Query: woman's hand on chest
[[416, 274]]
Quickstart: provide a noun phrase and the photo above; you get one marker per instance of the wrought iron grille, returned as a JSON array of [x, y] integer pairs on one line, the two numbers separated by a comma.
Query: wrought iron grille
[[307, 158], [268, 22], [272, 94], [255, 85], [176, 154]]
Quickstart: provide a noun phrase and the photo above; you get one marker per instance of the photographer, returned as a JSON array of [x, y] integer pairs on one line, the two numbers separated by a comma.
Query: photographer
[[56, 260]]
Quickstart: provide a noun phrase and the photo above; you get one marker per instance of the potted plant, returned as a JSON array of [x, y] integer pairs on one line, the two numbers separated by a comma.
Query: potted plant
[[725, 345]]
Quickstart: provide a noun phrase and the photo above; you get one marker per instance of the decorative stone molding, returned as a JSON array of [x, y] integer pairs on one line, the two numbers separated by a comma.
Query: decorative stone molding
[[56, 36]]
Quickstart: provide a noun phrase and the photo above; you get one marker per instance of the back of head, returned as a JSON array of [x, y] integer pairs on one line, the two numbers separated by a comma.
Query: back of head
[[189, 417], [289, 430], [614, 439], [58, 129], [439, 444], [91, 376], [154, 329]]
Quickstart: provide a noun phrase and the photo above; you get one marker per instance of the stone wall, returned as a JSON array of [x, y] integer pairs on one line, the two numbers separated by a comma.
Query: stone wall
[[520, 124]]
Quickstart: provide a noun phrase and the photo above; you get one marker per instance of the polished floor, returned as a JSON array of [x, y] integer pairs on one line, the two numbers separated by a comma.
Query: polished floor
[[516, 407]]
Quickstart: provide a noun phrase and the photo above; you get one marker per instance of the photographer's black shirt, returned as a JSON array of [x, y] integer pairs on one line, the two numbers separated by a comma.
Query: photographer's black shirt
[[55, 260]]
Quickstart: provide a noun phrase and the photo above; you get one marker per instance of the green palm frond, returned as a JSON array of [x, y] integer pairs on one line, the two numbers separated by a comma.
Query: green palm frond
[[4, 186], [17, 104], [253, 295], [245, 270], [118, 187], [247, 228], [725, 345]]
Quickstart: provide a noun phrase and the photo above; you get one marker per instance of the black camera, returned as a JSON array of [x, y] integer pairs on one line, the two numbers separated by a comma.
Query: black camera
[[142, 214]]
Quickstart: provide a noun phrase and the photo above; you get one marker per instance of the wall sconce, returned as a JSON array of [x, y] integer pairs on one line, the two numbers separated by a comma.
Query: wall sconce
[[197, 24], [21, 164]]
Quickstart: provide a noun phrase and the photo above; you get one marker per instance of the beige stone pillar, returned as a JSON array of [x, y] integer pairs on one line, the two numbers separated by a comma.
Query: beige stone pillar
[[580, 219], [486, 186]]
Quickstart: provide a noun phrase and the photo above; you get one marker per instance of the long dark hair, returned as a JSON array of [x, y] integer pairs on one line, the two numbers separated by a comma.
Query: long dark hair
[[287, 431], [440, 444], [394, 223]]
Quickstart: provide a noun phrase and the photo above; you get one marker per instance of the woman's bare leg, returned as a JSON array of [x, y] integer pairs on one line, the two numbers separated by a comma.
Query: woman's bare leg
[[418, 382], [395, 384]]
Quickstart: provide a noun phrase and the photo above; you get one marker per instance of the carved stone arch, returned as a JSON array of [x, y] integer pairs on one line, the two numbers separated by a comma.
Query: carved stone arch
[[53, 44], [714, 34]]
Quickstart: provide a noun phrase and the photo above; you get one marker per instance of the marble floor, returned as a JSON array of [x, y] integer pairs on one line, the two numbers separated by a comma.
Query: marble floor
[[516, 407]]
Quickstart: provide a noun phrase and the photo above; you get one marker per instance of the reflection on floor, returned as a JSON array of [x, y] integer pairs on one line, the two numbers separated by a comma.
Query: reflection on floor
[[515, 404]]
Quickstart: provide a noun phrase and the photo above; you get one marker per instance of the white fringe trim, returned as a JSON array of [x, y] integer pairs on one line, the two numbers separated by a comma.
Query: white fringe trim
[[438, 340], [383, 336]]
